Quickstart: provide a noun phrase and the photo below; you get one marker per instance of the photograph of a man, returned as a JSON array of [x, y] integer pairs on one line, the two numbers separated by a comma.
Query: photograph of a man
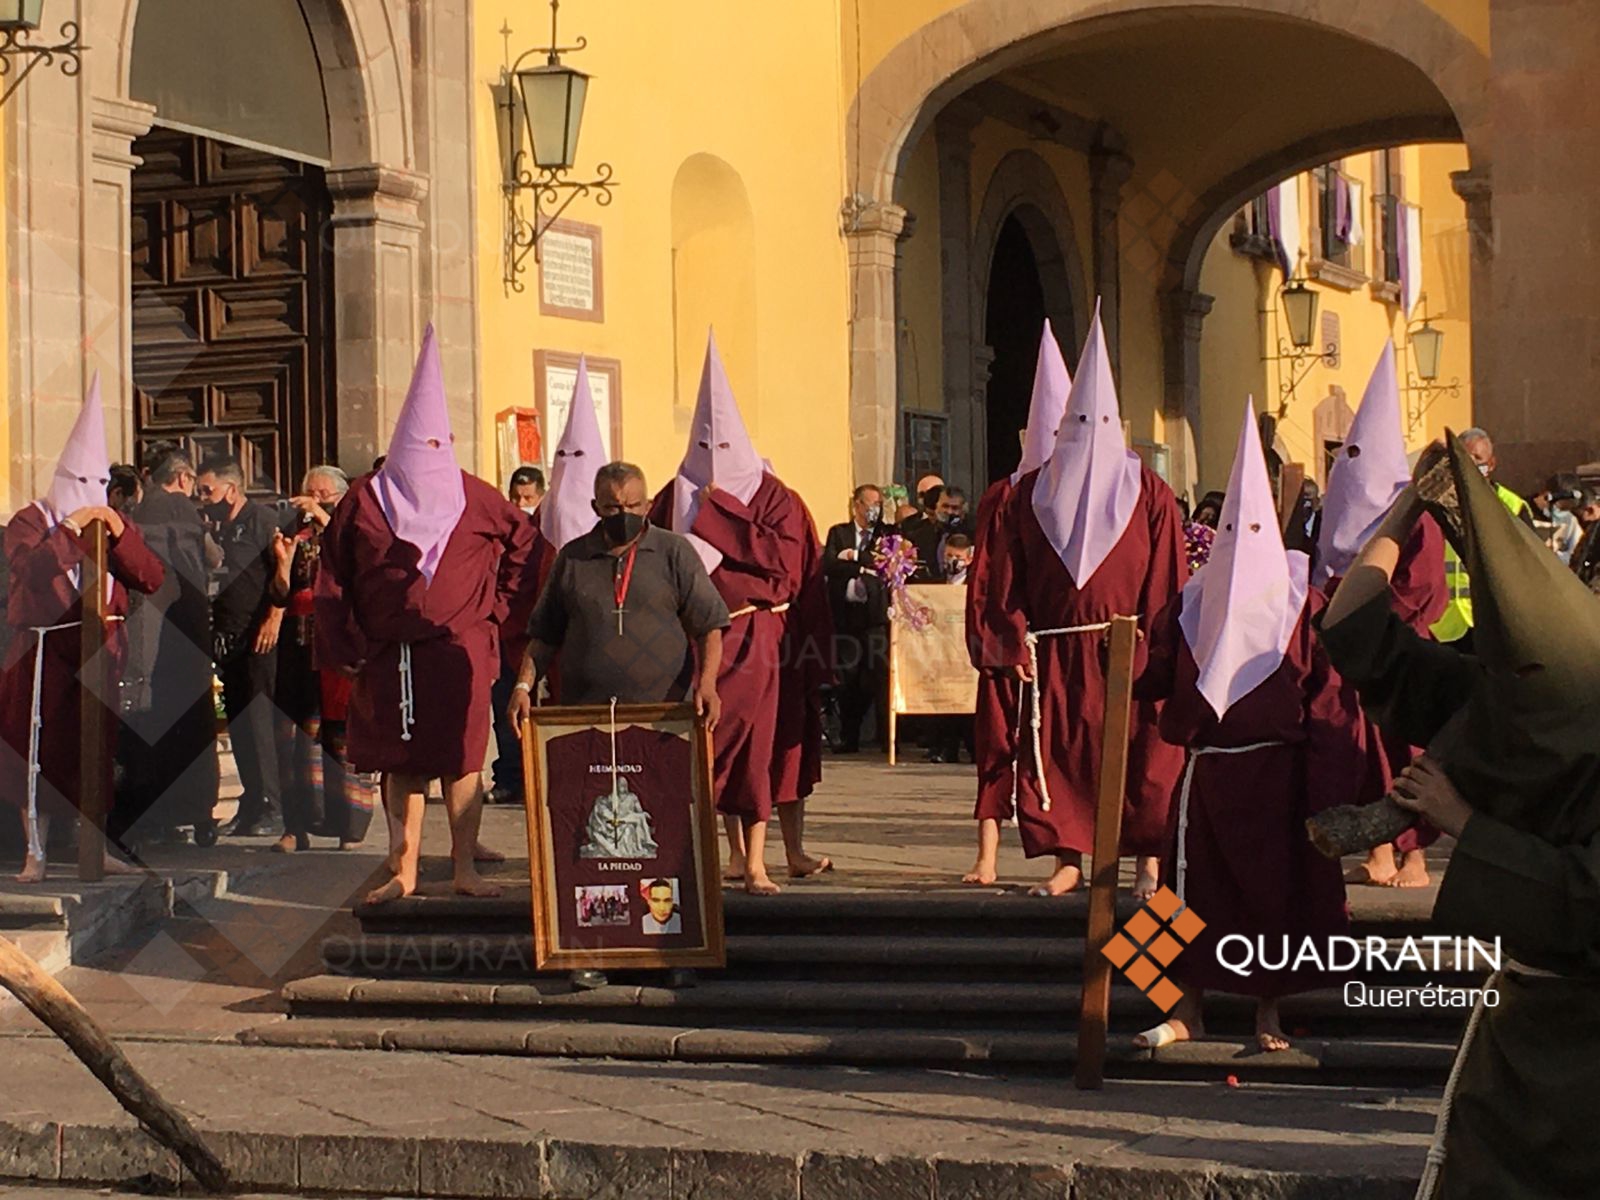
[[661, 898]]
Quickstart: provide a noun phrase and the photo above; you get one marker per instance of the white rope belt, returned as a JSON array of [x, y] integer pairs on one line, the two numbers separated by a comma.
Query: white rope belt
[[755, 608], [408, 700], [1195, 755], [1441, 1125], [36, 731], [1030, 641]]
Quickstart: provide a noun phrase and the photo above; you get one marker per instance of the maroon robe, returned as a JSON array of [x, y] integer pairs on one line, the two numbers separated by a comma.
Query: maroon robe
[[1418, 595], [1140, 576], [805, 668], [763, 548], [1250, 869], [994, 739], [42, 593], [371, 599]]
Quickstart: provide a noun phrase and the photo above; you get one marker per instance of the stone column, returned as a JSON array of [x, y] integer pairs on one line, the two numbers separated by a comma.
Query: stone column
[[1109, 170], [1474, 189], [962, 314], [981, 365], [379, 304], [873, 236], [1183, 317], [1543, 309], [108, 262]]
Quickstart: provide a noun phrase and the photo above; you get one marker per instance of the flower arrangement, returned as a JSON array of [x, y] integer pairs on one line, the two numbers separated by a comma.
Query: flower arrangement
[[895, 560], [1197, 542]]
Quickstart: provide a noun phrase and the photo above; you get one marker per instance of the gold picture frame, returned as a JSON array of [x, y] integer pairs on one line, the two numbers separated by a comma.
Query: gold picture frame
[[622, 838]]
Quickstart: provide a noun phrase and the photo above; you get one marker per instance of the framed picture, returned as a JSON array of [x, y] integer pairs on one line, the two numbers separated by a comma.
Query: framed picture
[[555, 376], [622, 838], [571, 272]]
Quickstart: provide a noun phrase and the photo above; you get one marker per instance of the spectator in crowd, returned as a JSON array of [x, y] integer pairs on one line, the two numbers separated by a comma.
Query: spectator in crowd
[[1455, 626], [124, 491], [860, 605], [245, 624], [321, 796], [168, 747], [948, 734], [1553, 515], [1586, 558], [929, 489], [526, 489], [957, 557], [1209, 511], [949, 518]]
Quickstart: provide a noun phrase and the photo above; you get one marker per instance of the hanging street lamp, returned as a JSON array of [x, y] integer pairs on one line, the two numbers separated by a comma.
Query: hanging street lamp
[[19, 20]]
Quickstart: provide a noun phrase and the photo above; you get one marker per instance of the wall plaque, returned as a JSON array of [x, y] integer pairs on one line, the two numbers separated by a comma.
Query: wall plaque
[[570, 272]]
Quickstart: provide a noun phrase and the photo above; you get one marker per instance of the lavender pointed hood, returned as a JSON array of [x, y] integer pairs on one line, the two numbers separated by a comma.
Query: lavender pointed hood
[[1368, 473], [567, 512], [720, 451]]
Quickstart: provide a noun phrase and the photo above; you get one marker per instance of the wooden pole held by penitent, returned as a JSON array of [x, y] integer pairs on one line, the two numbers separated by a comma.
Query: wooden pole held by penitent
[[1094, 1015], [94, 690], [1290, 484]]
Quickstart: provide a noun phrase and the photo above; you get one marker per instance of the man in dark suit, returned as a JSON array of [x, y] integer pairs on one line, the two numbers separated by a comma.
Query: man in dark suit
[[860, 605], [948, 519]]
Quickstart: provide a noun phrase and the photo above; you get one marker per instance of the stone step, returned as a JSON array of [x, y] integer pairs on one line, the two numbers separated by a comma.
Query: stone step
[[1382, 912], [1365, 1060], [884, 1004], [22, 911]]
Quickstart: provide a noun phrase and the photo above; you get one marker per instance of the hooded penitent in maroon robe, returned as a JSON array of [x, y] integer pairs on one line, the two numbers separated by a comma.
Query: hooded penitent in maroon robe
[[805, 668], [752, 534], [995, 723], [1289, 742], [44, 562], [762, 546], [1139, 577], [372, 600]]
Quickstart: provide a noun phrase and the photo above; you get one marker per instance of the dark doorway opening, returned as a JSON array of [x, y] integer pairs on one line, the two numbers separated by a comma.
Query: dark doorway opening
[[233, 338], [1014, 316]]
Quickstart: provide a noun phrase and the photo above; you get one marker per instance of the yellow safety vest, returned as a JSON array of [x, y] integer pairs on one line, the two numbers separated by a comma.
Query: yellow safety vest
[[1457, 618]]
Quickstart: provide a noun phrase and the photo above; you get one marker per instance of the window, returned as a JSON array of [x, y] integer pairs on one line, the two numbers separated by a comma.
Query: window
[[1252, 231], [1333, 208], [1391, 194]]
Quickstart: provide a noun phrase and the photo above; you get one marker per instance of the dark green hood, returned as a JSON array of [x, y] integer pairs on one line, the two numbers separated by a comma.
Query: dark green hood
[[1525, 746]]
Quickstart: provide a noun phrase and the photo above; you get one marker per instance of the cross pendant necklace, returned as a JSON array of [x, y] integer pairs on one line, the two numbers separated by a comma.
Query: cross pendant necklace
[[623, 580]]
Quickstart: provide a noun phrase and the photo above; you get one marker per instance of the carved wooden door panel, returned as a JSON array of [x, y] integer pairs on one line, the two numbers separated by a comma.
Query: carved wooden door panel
[[232, 306]]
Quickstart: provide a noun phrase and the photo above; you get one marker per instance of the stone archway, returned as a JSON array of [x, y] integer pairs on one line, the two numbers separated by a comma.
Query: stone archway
[[397, 263], [920, 76]]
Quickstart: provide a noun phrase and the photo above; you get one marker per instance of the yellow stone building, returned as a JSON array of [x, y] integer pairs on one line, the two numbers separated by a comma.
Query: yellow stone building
[[243, 214]]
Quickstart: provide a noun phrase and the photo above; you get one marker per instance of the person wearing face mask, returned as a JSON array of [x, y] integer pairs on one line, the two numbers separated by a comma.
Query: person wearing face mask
[[421, 567], [860, 607], [949, 520], [39, 717], [929, 488], [1455, 626], [320, 794], [564, 513], [245, 626], [526, 489]]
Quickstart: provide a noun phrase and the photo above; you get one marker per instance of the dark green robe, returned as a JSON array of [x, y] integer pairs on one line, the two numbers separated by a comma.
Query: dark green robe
[[1522, 1124]]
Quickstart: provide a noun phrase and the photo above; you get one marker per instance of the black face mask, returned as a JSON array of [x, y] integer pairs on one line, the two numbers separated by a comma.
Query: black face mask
[[217, 511], [621, 528]]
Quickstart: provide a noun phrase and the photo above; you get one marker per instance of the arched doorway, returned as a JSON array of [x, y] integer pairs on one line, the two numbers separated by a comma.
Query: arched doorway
[[1013, 315], [233, 345]]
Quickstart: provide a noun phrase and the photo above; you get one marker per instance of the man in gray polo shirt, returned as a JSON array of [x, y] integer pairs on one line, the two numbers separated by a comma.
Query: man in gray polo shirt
[[619, 610]]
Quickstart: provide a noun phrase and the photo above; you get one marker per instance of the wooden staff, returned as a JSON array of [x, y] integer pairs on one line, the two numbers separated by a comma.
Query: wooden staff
[[888, 698], [1095, 1014], [94, 682], [66, 1018]]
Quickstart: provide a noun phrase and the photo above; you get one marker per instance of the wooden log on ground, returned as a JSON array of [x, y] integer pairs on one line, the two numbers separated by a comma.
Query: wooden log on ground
[[1095, 1012], [1357, 828], [94, 684], [46, 999]]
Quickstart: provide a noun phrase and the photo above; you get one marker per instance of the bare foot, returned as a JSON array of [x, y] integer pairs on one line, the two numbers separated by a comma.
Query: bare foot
[[470, 883], [1269, 1032], [391, 863], [285, 844], [482, 853], [396, 889], [1413, 872], [984, 873], [1377, 871], [1146, 877], [760, 885], [1066, 879], [804, 868], [735, 869], [115, 866], [33, 871]]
